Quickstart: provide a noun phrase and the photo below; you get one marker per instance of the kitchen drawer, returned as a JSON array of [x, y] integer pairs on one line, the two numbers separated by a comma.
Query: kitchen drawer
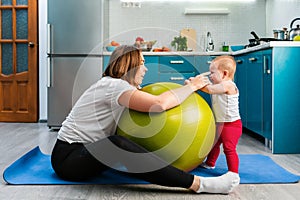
[[175, 77], [202, 63], [151, 63], [176, 64]]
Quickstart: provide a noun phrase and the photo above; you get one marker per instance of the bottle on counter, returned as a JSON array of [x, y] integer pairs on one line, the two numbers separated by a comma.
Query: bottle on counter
[[225, 47]]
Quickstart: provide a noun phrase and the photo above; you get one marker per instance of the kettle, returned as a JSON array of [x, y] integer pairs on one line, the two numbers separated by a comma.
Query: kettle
[[294, 31]]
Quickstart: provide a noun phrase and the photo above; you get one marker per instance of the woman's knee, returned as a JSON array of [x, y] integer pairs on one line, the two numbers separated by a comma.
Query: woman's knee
[[126, 144]]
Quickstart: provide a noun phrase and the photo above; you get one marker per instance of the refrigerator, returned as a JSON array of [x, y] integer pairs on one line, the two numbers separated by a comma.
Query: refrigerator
[[74, 53]]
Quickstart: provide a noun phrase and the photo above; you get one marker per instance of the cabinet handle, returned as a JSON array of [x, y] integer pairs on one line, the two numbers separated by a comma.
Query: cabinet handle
[[266, 66], [176, 78], [239, 61], [176, 61], [252, 59]]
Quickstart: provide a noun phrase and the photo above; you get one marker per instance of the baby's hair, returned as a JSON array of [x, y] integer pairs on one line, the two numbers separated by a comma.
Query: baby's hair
[[226, 62]]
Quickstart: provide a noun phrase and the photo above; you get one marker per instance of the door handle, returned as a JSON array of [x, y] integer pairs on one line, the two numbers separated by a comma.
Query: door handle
[[49, 37], [49, 72], [30, 44]]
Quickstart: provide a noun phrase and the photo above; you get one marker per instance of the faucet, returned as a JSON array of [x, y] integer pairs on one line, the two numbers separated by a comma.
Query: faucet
[[210, 42]]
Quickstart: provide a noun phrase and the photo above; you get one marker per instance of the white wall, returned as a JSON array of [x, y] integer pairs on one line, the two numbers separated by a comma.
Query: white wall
[[280, 13], [167, 18]]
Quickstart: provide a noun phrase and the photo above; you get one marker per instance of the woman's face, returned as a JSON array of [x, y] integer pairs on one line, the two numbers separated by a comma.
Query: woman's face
[[139, 76]]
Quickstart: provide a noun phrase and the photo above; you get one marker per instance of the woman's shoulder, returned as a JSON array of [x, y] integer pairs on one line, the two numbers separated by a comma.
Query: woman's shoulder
[[108, 81]]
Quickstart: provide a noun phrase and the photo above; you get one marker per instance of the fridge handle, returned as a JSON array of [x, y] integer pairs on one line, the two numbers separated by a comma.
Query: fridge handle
[[49, 36], [49, 72]]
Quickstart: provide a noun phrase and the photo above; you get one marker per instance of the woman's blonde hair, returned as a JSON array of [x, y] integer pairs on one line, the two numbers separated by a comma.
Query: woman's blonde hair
[[124, 63]]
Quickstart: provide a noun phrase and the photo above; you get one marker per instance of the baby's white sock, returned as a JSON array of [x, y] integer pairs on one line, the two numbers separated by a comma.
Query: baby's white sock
[[221, 184], [206, 166]]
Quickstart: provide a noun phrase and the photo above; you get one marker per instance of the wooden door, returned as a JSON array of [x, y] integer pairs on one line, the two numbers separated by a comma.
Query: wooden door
[[18, 61]]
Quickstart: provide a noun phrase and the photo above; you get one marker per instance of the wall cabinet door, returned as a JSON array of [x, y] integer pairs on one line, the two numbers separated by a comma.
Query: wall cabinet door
[[241, 83], [151, 76], [286, 109], [267, 94], [176, 68], [254, 80], [202, 64], [176, 64], [254, 89]]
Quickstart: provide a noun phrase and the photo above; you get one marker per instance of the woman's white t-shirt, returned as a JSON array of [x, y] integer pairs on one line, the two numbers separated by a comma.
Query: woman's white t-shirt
[[96, 113]]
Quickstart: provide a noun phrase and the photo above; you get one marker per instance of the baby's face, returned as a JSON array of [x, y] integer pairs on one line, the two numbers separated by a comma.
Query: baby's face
[[215, 74]]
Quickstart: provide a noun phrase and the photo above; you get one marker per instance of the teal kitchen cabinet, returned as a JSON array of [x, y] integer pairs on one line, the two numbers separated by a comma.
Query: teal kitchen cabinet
[[254, 85], [285, 100], [267, 96], [169, 68], [172, 68], [202, 64], [176, 69], [151, 62], [254, 79], [254, 88], [241, 82], [269, 99]]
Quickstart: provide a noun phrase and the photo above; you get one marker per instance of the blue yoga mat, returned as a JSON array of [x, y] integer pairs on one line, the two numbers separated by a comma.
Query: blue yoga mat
[[34, 168]]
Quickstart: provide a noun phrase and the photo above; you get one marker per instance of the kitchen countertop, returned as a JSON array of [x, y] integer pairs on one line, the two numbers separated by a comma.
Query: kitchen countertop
[[181, 53], [217, 53], [266, 46]]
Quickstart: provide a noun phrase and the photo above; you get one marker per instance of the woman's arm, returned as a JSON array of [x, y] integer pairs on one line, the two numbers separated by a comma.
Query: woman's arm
[[145, 102]]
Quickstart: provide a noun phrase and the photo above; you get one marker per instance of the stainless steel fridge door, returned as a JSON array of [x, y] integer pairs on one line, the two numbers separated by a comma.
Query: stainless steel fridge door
[[75, 26], [68, 78]]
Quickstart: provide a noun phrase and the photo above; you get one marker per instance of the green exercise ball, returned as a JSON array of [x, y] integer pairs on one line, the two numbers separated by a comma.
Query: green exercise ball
[[182, 136]]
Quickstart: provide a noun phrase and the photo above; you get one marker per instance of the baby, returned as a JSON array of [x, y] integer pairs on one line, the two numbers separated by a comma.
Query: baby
[[225, 105]]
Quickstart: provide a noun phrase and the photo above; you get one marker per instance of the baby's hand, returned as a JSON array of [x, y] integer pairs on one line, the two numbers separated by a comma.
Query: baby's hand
[[197, 82]]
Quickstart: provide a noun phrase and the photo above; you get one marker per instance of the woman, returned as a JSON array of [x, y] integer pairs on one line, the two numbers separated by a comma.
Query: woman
[[87, 143]]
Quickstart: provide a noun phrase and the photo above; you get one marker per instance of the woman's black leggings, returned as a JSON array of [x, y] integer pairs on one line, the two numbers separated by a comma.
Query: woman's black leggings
[[77, 162]]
